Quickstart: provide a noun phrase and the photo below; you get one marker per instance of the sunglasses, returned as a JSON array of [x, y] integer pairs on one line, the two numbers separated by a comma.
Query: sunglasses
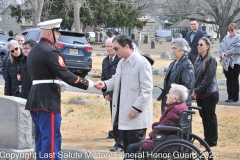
[[230, 30], [199, 44], [115, 48], [15, 49]]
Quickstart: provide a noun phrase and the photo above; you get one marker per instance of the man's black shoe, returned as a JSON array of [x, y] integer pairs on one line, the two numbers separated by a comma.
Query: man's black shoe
[[116, 149], [110, 134], [231, 101]]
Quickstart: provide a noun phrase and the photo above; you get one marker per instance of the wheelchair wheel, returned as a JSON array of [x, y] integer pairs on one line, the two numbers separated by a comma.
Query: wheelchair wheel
[[202, 145], [176, 149]]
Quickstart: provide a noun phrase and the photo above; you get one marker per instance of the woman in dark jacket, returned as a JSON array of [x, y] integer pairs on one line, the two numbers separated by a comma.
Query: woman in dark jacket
[[206, 90], [25, 77], [12, 75], [180, 71]]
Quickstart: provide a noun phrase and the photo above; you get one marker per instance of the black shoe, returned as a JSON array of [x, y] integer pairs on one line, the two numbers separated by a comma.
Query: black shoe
[[110, 134], [116, 149], [231, 101]]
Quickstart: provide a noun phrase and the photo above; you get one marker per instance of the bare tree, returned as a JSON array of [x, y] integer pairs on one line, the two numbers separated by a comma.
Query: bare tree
[[5, 3], [223, 12], [37, 6], [144, 6]]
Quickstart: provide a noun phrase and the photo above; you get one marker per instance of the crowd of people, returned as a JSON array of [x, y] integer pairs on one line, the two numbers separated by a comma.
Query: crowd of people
[[32, 68]]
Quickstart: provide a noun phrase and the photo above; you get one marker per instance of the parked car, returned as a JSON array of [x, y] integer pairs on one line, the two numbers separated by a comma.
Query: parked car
[[4, 38], [75, 47]]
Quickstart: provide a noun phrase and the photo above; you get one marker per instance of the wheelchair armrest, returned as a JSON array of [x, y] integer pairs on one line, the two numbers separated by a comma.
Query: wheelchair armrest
[[189, 111], [197, 108], [167, 128]]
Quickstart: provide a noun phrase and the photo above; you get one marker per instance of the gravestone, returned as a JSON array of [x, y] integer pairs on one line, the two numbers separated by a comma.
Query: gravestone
[[136, 42], [158, 71], [97, 36], [153, 45], [222, 82], [169, 39], [165, 55], [100, 37], [133, 36], [146, 39], [15, 123]]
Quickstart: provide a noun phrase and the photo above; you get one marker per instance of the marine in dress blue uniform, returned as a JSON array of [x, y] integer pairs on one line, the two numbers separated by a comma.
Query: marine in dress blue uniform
[[46, 65]]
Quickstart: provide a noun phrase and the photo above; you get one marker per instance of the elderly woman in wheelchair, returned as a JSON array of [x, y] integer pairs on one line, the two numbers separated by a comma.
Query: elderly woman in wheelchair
[[166, 140]]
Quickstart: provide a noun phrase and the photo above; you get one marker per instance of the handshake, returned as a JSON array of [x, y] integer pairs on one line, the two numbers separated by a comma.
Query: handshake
[[99, 85]]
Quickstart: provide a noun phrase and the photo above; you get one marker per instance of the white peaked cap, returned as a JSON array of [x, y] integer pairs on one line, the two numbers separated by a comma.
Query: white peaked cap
[[50, 24]]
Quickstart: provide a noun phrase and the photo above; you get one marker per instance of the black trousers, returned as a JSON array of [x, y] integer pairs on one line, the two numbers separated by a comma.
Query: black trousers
[[233, 82], [117, 134], [209, 118], [118, 137], [132, 136]]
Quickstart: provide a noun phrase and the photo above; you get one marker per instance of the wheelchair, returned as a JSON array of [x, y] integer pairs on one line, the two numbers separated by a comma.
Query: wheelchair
[[182, 145]]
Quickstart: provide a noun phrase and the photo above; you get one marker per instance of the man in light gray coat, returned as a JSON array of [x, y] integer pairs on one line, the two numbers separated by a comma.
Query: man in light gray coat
[[132, 92]]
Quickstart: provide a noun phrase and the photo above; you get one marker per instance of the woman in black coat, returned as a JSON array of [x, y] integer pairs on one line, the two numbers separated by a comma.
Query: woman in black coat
[[180, 71], [25, 77], [13, 69], [206, 90]]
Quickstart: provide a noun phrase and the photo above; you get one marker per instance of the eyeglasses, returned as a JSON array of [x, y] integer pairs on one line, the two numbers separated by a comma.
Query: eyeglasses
[[174, 48], [15, 49], [199, 44], [115, 48], [230, 30]]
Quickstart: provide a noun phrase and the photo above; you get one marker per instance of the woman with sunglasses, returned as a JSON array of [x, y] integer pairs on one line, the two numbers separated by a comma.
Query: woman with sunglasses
[[206, 90], [12, 75], [180, 71], [230, 59]]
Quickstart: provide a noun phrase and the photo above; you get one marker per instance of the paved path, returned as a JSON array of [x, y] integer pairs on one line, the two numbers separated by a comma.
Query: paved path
[[156, 93]]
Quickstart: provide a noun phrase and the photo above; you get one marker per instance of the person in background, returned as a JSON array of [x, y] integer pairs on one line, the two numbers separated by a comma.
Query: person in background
[[206, 90], [25, 77], [109, 66], [176, 98], [193, 37], [132, 87], [20, 39], [12, 74], [180, 71], [45, 64], [230, 56]]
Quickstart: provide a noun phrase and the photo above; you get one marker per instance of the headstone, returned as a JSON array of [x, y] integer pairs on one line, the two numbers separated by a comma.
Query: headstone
[[146, 39], [165, 55], [15, 123], [222, 82], [136, 42], [97, 36], [100, 37], [178, 35], [158, 71], [153, 45], [169, 39], [133, 36]]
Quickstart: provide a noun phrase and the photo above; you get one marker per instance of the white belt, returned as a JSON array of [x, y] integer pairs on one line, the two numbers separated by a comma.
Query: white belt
[[45, 81]]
